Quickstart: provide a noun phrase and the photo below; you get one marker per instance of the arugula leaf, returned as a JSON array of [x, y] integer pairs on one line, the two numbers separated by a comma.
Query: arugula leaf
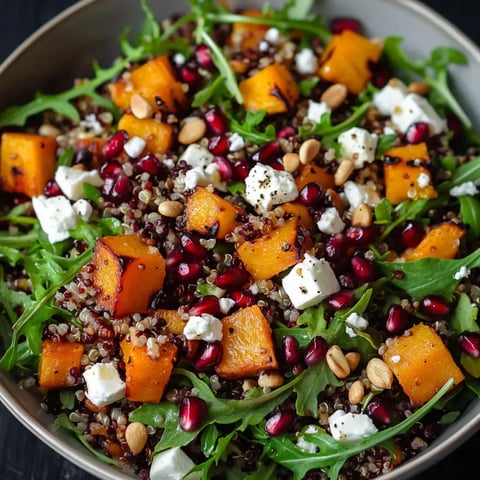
[[66, 158], [248, 129], [215, 89], [12, 255], [385, 143], [470, 364], [467, 172], [470, 213], [208, 440], [383, 211], [464, 318], [306, 86], [67, 398]]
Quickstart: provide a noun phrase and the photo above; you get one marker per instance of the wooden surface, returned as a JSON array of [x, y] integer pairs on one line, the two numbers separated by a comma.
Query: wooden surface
[[24, 457]]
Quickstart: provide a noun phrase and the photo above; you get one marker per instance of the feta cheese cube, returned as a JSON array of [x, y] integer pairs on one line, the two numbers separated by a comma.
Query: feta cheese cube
[[423, 180], [203, 327], [265, 187], [467, 188], [272, 35], [179, 59], [309, 282], [71, 180], [415, 108], [56, 216], [357, 194], [463, 272], [357, 321], [306, 61], [316, 110], [226, 304], [197, 156], [173, 464], [236, 142], [90, 122], [83, 209], [104, 385], [330, 221], [263, 46], [389, 97], [358, 145], [350, 427], [134, 147]]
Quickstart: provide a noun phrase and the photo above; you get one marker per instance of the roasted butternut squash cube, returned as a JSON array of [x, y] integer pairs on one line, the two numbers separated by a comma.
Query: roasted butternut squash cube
[[274, 252], [158, 135], [92, 146], [441, 241], [307, 173], [210, 215], [296, 209], [147, 373], [127, 273], [173, 319], [346, 60], [57, 361], [247, 345], [406, 173], [421, 363], [272, 89], [27, 162], [155, 81], [245, 35]]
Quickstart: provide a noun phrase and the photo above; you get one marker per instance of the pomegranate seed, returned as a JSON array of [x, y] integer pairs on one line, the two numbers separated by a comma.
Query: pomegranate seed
[[360, 236], [434, 306], [149, 164], [363, 270], [225, 168], [380, 411], [204, 57], [381, 75], [189, 272], [243, 299], [397, 319], [84, 157], [341, 300], [190, 76], [286, 132], [316, 351], [280, 423], [268, 153], [291, 350], [207, 304], [115, 145], [417, 133], [241, 169], [173, 258], [208, 357], [232, 278], [346, 281], [411, 234], [336, 246], [118, 188], [52, 189], [455, 126], [110, 169], [298, 368], [216, 121], [339, 24], [219, 145], [192, 246], [191, 413], [311, 194], [470, 343]]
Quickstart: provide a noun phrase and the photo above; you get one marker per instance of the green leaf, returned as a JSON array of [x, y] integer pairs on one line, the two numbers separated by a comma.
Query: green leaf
[[442, 57], [385, 143], [470, 364], [467, 172], [383, 211], [10, 254], [237, 188], [306, 86], [91, 193], [208, 440], [248, 129], [66, 158], [67, 398], [213, 91], [470, 213], [464, 318]]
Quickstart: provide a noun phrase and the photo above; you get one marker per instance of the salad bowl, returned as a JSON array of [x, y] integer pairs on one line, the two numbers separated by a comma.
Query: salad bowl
[[385, 18]]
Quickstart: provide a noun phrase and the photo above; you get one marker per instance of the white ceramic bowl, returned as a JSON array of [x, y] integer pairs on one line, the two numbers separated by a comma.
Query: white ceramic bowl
[[92, 40]]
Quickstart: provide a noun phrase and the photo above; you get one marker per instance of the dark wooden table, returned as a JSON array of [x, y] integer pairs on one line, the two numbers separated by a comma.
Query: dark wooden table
[[24, 457]]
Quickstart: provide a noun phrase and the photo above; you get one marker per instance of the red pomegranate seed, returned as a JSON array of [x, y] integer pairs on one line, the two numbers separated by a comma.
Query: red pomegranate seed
[[339, 24], [341, 300], [216, 121], [380, 411], [298, 368], [208, 356], [207, 304], [192, 246], [191, 413], [336, 246], [190, 76], [417, 133], [115, 145], [311, 194], [360, 236], [243, 298], [110, 169], [434, 306], [455, 126], [346, 281], [470, 343], [232, 278], [381, 75], [286, 132], [241, 169], [291, 350], [225, 168], [173, 258], [316, 351], [189, 272], [149, 164], [268, 153], [280, 423], [363, 270], [411, 234], [52, 189], [204, 57], [219, 145], [118, 188], [397, 319]]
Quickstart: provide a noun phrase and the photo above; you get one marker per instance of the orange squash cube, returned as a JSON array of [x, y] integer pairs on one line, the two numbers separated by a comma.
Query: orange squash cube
[[92, 145], [296, 209], [310, 172], [27, 162], [174, 320], [247, 35], [272, 89], [247, 345], [421, 363], [127, 273]]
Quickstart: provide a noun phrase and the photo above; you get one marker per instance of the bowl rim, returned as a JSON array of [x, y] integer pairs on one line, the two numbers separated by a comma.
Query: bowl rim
[[85, 459]]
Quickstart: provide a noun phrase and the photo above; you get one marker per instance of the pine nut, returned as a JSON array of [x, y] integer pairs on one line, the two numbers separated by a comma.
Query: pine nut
[[170, 208], [379, 373], [356, 392], [193, 129], [309, 150], [48, 130], [344, 170], [419, 87], [136, 437], [353, 359], [335, 95], [337, 362], [394, 82], [362, 216], [291, 161], [270, 380], [249, 385], [140, 107]]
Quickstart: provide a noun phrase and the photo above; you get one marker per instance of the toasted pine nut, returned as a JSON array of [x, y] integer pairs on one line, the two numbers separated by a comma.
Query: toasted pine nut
[[170, 208], [193, 129], [140, 107], [379, 373], [291, 161], [356, 392], [136, 437], [362, 216], [270, 380], [344, 170], [249, 384], [309, 150], [337, 362], [419, 87], [334, 95], [353, 359], [48, 130]]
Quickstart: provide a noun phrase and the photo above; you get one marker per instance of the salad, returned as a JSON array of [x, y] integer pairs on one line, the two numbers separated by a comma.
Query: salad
[[247, 249]]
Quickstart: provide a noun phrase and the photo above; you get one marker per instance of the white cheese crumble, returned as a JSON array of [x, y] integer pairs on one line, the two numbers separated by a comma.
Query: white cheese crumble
[[226, 304], [236, 142], [263, 46], [104, 385], [179, 59], [306, 61], [350, 427], [423, 180], [463, 272], [357, 194], [389, 97], [266, 187], [173, 464], [83, 209], [316, 110], [203, 172], [330, 221], [358, 145], [90, 122], [70, 180], [197, 156], [134, 147], [203, 327], [356, 321], [309, 282], [304, 445], [395, 358], [272, 35], [467, 188]]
